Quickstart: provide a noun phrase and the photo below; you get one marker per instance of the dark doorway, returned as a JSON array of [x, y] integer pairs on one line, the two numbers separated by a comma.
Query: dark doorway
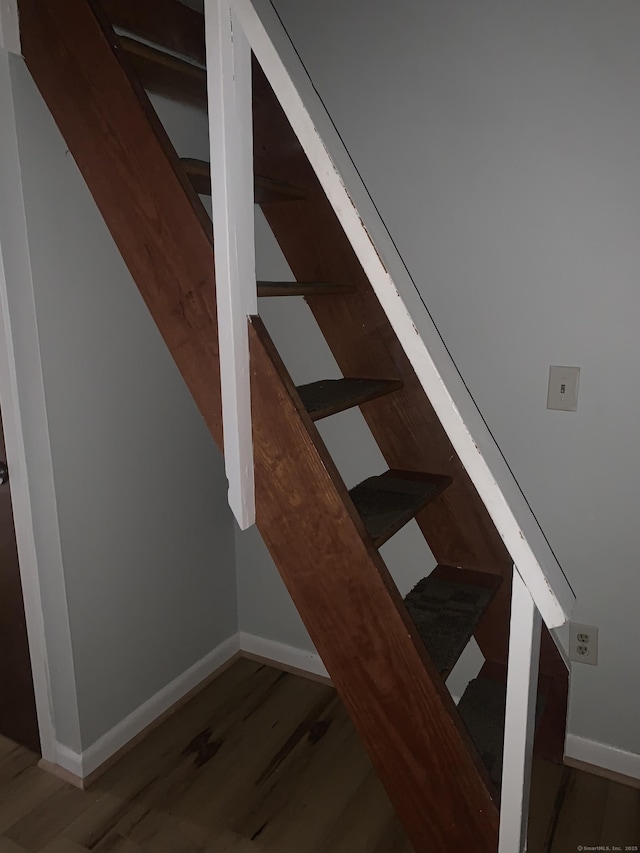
[[18, 718]]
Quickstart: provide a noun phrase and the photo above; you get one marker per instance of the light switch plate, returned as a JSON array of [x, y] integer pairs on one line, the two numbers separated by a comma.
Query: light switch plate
[[563, 388]]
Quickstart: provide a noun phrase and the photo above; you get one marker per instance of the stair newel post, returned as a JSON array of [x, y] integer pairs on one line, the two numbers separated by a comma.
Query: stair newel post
[[522, 684], [231, 144]]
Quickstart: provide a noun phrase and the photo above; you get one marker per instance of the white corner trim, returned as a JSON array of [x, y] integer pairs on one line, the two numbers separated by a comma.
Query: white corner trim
[[231, 158], [84, 764], [23, 401], [67, 759], [9, 27], [603, 755], [302, 659]]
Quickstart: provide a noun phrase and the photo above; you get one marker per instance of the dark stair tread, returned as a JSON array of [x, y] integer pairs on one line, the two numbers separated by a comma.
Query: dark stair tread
[[482, 709], [266, 190], [302, 288], [446, 607], [329, 396], [167, 75], [387, 502]]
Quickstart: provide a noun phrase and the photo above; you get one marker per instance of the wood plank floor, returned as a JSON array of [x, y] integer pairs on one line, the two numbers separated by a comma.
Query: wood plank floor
[[265, 761]]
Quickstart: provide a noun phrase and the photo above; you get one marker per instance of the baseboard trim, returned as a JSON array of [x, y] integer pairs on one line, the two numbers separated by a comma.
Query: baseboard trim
[[63, 774], [603, 760], [289, 658], [81, 769]]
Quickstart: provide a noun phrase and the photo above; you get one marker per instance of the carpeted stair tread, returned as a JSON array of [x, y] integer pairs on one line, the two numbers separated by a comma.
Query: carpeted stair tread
[[387, 502], [265, 190], [446, 612], [482, 709], [303, 288], [329, 396]]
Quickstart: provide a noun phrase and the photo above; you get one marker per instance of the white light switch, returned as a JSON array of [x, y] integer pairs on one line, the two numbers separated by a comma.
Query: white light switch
[[563, 388]]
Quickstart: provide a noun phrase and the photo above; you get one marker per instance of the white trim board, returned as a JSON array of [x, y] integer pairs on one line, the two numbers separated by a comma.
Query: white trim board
[[231, 158], [78, 767], [286, 656], [150, 714], [602, 755]]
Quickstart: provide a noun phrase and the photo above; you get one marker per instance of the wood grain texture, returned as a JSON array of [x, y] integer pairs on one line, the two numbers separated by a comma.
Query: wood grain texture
[[355, 617], [166, 23], [133, 173], [259, 762], [289, 770]]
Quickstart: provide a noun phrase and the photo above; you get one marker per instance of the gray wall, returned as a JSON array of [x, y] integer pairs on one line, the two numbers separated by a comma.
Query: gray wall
[[500, 143], [146, 534]]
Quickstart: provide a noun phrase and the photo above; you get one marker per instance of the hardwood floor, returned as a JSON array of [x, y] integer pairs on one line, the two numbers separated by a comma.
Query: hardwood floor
[[260, 761]]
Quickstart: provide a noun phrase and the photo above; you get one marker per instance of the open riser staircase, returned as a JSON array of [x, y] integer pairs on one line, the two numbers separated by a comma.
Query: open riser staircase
[[441, 765]]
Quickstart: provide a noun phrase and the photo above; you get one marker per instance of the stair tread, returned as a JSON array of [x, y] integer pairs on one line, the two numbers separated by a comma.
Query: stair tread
[[266, 190], [302, 288], [165, 74], [482, 709], [329, 396], [388, 501], [445, 607]]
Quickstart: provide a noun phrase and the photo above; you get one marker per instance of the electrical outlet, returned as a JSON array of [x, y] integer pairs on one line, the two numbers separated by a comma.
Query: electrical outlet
[[583, 643]]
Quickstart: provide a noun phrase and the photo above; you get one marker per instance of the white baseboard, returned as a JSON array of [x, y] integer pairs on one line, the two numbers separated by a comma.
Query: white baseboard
[[286, 656], [82, 765], [603, 756], [102, 753]]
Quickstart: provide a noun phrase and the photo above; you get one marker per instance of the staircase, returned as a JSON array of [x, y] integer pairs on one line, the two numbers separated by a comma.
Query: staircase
[[441, 765]]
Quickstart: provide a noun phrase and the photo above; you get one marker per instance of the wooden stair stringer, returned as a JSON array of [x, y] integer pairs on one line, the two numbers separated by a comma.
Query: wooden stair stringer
[[134, 175], [357, 620]]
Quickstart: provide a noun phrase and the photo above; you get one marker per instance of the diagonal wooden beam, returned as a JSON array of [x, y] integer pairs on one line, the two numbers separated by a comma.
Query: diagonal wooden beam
[[134, 175]]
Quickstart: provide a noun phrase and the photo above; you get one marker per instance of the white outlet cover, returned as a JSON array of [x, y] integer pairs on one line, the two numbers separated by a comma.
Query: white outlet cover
[[583, 643], [563, 388]]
